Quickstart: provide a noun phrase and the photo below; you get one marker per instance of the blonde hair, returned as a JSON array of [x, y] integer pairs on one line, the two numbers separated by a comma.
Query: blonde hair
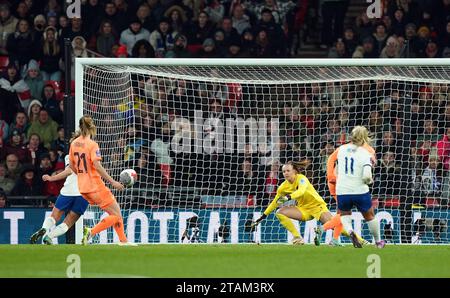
[[87, 127], [360, 136]]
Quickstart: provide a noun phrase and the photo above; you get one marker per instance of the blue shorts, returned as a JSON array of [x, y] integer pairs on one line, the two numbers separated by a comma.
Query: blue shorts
[[363, 202], [76, 204]]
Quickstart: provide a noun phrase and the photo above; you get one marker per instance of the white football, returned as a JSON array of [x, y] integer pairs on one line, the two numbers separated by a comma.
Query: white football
[[128, 177]]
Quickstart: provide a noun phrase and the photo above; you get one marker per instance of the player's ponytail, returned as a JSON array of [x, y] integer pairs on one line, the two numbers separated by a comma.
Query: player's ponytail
[[360, 135], [299, 166], [87, 126]]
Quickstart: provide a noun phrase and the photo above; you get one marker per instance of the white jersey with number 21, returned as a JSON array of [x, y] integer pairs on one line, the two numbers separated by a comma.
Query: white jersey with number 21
[[351, 161]]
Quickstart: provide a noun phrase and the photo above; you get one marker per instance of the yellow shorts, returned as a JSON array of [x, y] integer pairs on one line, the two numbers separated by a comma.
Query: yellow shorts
[[313, 212]]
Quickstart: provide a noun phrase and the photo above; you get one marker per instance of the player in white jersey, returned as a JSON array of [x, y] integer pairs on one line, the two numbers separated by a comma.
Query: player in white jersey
[[69, 201], [354, 175]]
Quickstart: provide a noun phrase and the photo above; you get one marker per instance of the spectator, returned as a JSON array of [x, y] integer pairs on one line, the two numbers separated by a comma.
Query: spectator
[[59, 145], [115, 17], [271, 183], [33, 111], [208, 50], [144, 15], [28, 184], [50, 55], [134, 33], [201, 29], [45, 127], [35, 148], [52, 8], [74, 30], [263, 47], [163, 39], [230, 33], [248, 46], [338, 50], [22, 11], [248, 179], [412, 47], [22, 44], [387, 176], [432, 50], [180, 48], [14, 90], [20, 123], [13, 166], [15, 146], [215, 10], [367, 50], [241, 21], [143, 49], [4, 130], [40, 22], [398, 23], [161, 148], [6, 183], [177, 18], [34, 79], [392, 48], [431, 180], [3, 199], [8, 24], [443, 150], [350, 41], [104, 40], [274, 32], [51, 104], [63, 23], [380, 37]]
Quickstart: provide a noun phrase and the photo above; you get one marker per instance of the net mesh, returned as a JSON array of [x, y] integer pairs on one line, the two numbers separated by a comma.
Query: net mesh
[[208, 142]]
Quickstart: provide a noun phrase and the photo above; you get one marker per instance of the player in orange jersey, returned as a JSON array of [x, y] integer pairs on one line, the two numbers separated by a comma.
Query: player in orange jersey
[[335, 222], [85, 160]]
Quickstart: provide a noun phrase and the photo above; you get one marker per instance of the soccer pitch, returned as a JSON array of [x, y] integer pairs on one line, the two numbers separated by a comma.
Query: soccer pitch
[[223, 261]]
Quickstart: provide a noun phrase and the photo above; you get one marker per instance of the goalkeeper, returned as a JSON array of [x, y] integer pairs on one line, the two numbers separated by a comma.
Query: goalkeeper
[[309, 203]]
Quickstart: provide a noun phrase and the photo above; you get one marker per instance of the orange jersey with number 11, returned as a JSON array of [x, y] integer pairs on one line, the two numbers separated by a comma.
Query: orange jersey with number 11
[[83, 152]]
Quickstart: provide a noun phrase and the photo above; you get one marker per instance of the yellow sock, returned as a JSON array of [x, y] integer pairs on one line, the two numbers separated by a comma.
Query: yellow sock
[[346, 234], [288, 224]]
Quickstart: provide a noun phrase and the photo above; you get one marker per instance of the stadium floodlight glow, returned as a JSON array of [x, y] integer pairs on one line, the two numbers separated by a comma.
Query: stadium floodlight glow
[[207, 138]]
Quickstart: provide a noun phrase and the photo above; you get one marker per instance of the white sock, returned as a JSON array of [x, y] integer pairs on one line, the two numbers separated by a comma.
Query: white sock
[[374, 228], [48, 223], [58, 231], [347, 223]]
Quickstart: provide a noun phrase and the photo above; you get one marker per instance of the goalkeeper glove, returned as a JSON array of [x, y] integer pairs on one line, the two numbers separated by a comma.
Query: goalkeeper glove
[[283, 199], [255, 223]]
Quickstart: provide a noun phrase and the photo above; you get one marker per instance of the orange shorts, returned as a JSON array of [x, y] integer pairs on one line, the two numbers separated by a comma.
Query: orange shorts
[[101, 198]]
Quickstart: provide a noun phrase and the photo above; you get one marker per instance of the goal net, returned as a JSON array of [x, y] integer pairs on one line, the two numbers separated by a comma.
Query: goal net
[[207, 139]]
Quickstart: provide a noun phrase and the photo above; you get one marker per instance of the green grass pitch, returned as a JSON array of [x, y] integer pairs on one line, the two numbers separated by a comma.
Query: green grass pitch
[[223, 261]]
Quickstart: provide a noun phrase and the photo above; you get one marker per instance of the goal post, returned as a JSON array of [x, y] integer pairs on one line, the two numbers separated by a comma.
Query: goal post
[[208, 137]]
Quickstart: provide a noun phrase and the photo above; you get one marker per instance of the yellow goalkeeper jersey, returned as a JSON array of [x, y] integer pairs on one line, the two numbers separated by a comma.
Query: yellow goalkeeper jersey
[[301, 190]]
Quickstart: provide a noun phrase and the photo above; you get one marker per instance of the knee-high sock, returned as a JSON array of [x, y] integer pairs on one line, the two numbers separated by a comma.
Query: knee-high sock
[[334, 223], [374, 228], [288, 224], [58, 231], [118, 227], [337, 231], [104, 224], [48, 223], [347, 223]]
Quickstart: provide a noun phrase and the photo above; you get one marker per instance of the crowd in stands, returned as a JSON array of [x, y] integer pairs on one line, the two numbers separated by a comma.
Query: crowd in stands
[[411, 125]]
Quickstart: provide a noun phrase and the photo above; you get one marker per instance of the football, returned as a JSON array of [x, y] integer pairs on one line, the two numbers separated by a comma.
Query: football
[[128, 177]]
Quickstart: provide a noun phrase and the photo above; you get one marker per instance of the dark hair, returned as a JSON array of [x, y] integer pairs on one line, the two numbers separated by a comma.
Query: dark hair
[[299, 166]]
